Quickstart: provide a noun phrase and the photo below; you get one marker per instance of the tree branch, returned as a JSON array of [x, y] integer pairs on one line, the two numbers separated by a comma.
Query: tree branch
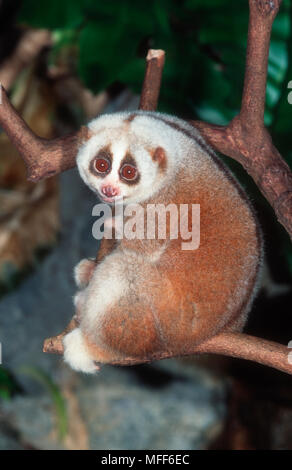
[[262, 15], [245, 139], [55, 344], [152, 80], [43, 157], [237, 345], [248, 347]]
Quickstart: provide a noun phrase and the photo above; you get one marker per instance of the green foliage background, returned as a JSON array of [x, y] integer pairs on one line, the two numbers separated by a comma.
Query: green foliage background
[[205, 44]]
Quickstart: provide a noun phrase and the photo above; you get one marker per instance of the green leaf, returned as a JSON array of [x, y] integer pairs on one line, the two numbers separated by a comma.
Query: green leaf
[[52, 14], [56, 395], [197, 4], [8, 385]]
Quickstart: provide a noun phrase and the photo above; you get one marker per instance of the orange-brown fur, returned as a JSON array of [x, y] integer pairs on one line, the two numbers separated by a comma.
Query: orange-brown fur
[[169, 299], [190, 289]]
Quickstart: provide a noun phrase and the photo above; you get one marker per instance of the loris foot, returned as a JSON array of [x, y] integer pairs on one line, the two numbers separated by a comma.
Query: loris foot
[[83, 272], [79, 302], [76, 353]]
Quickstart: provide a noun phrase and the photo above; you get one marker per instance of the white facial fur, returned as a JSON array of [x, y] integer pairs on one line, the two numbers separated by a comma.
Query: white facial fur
[[138, 138]]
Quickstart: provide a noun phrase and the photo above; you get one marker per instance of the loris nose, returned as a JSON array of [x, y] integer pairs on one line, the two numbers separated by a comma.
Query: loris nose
[[109, 191]]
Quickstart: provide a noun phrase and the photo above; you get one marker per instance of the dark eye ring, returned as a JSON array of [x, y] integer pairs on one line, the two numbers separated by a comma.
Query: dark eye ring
[[129, 172], [102, 165]]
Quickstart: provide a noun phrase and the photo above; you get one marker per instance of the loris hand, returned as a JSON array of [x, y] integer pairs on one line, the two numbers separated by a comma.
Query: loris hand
[[83, 272]]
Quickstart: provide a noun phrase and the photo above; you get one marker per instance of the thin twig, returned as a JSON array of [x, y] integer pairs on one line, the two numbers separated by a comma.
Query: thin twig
[[152, 80]]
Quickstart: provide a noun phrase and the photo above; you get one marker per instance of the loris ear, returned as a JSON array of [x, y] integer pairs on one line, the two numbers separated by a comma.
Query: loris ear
[[86, 133], [159, 156]]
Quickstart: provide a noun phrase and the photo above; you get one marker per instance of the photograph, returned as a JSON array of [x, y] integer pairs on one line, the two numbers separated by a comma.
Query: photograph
[[145, 229]]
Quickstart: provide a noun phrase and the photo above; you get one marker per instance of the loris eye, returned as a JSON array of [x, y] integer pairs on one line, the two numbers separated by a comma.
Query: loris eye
[[128, 172], [102, 165]]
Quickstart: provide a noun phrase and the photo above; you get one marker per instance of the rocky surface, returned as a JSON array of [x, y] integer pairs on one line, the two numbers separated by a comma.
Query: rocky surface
[[164, 406]]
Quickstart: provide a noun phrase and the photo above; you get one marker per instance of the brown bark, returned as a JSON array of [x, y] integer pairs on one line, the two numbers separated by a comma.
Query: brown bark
[[246, 139], [237, 345], [152, 80], [55, 344], [43, 157]]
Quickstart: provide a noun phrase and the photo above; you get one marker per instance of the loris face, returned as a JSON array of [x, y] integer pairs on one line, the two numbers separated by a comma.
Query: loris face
[[118, 163]]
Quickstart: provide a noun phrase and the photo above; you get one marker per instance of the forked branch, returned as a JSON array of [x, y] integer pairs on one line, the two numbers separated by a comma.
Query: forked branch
[[43, 157], [246, 139]]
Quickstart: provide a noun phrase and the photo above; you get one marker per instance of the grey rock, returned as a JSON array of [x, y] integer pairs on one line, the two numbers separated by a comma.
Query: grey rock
[[9, 438], [32, 418], [179, 415], [120, 412]]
